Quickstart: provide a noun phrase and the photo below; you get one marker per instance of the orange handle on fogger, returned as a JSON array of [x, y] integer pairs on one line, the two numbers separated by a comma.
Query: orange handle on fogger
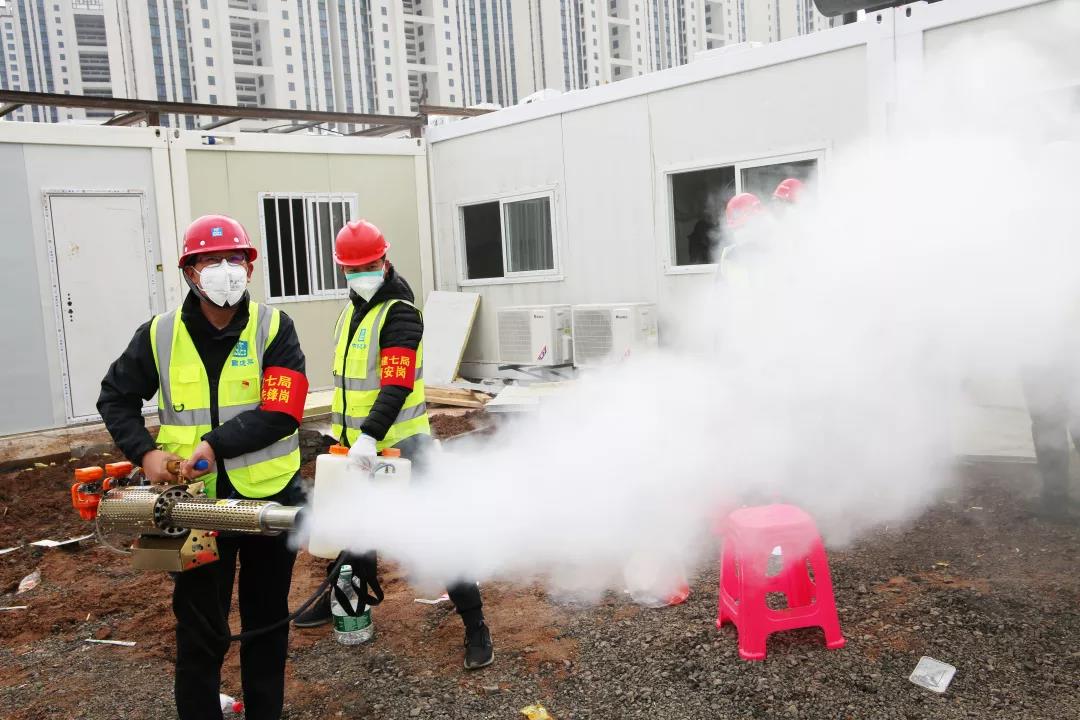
[[86, 492], [119, 469], [92, 482], [85, 503]]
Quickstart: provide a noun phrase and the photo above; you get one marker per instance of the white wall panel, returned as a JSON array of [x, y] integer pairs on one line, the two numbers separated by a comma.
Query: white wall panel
[[607, 165]]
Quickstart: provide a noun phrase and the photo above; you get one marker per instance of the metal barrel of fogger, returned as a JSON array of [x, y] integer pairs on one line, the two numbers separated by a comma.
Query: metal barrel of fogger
[[249, 516], [172, 511]]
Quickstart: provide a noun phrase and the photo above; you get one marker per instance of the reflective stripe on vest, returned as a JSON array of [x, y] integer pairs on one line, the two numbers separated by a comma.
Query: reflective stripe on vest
[[357, 386], [368, 383], [184, 400], [410, 413]]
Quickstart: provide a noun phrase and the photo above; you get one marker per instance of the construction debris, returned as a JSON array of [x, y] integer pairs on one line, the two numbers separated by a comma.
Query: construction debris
[[122, 643], [456, 397], [536, 712], [520, 398], [448, 323], [70, 543], [14, 607], [932, 674], [29, 582]]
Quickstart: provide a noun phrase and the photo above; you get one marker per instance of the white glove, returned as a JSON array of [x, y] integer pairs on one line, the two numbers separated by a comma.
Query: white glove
[[362, 454]]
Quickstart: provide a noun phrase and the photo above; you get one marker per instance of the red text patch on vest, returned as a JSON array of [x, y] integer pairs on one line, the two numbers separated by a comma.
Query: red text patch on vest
[[284, 390], [397, 366]]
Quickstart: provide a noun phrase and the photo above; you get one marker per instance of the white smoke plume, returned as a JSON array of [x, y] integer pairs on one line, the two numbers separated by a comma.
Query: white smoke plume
[[945, 254]]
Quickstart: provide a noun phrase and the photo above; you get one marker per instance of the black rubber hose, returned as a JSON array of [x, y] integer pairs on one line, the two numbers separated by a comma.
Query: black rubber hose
[[248, 634]]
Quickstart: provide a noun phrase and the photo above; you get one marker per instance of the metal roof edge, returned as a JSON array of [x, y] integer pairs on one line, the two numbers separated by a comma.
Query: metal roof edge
[[777, 53], [77, 134]]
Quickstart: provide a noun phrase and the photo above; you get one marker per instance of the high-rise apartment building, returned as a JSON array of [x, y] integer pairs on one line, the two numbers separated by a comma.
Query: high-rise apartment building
[[367, 56], [488, 73], [57, 47], [571, 44]]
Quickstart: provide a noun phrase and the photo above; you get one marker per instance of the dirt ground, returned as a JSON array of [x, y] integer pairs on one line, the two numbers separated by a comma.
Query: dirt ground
[[452, 425], [976, 582]]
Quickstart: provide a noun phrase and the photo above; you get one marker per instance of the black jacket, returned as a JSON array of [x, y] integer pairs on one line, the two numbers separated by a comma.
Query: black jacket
[[404, 328], [133, 378]]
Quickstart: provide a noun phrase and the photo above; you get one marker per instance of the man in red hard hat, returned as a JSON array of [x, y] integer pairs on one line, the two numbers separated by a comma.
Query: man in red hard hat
[[379, 400], [744, 217], [229, 377], [788, 191]]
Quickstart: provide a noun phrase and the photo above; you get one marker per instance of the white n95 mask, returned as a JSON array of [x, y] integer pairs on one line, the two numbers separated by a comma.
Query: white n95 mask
[[365, 284], [223, 284]]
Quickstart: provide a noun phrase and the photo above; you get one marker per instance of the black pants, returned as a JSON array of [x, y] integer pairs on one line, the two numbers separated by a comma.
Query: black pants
[[1054, 420], [464, 594], [201, 601]]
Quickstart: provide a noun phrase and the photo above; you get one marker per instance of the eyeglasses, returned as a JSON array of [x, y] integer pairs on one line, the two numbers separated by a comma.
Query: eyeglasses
[[233, 259]]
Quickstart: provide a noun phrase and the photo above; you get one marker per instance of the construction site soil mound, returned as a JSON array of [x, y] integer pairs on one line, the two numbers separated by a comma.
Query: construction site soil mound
[[977, 582], [449, 425]]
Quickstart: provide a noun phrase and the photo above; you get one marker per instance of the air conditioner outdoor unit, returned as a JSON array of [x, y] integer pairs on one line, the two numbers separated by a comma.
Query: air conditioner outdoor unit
[[535, 335], [611, 332]]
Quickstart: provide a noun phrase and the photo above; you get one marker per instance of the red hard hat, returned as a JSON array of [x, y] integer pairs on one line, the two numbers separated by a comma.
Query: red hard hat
[[214, 233], [741, 208], [788, 190], [359, 243]]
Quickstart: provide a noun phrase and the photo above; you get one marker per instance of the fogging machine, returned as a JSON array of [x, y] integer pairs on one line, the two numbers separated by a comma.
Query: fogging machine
[[176, 528]]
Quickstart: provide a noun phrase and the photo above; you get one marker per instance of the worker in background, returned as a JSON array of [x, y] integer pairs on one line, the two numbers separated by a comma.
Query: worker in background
[[1051, 374], [379, 397], [229, 376], [1050, 391], [702, 241], [744, 217], [754, 231], [787, 193]]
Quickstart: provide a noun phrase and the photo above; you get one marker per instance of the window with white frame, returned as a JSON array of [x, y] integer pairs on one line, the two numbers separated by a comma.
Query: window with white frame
[[699, 197], [763, 179], [508, 238], [298, 240]]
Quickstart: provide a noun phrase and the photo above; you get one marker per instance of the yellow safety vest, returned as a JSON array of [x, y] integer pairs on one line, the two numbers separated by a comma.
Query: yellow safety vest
[[184, 400], [357, 380]]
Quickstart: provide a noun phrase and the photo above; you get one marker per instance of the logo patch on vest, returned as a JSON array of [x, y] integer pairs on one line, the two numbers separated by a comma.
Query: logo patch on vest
[[360, 341], [240, 355]]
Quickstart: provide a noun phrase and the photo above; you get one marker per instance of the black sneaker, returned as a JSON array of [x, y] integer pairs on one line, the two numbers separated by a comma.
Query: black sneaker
[[316, 615], [478, 650]]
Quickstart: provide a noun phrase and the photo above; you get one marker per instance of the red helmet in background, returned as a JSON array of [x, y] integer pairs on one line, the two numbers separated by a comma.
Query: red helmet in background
[[788, 190], [741, 209], [214, 233], [359, 243]]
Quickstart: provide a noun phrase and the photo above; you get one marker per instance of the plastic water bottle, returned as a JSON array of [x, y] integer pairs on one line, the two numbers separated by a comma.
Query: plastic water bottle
[[350, 629], [230, 705]]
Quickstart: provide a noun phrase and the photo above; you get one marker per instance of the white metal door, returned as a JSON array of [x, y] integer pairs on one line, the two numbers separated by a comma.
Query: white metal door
[[104, 285]]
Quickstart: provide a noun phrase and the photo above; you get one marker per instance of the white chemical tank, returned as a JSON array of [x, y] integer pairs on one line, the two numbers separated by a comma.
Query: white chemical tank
[[339, 483]]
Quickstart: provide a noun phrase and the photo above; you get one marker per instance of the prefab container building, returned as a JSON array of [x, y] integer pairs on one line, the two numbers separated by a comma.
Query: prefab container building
[[92, 219]]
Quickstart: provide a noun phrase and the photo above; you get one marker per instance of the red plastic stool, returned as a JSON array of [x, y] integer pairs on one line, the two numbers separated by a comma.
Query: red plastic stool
[[751, 535]]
